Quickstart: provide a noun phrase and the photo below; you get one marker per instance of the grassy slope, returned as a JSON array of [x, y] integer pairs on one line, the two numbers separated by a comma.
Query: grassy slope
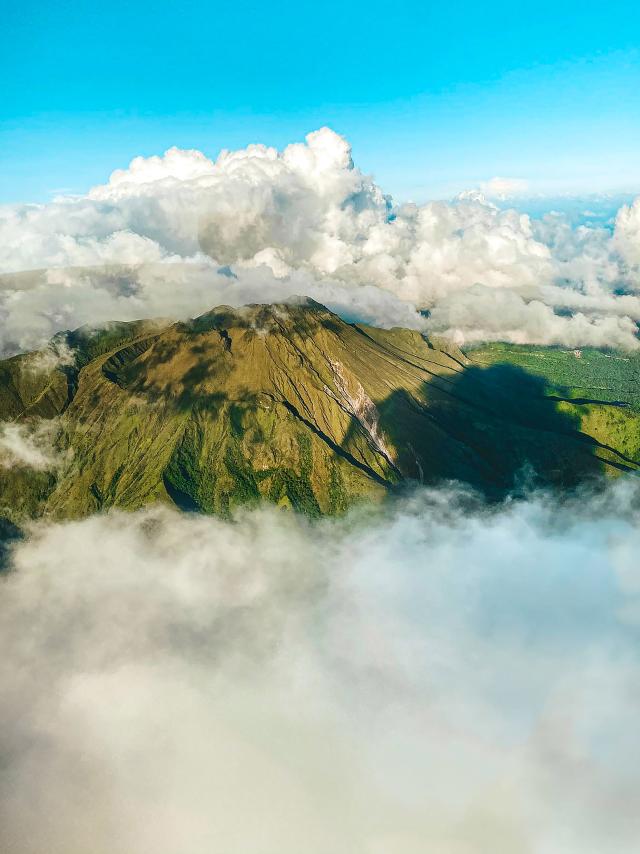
[[292, 405]]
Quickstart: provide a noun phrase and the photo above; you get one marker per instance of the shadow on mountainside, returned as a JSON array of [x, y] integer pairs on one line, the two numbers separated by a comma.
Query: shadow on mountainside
[[192, 387], [9, 535], [494, 429]]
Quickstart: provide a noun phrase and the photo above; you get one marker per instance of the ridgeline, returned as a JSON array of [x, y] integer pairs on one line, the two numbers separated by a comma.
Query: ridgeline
[[288, 403]]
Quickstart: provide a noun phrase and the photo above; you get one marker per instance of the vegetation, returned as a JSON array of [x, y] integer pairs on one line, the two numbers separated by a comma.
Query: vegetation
[[599, 389], [291, 405]]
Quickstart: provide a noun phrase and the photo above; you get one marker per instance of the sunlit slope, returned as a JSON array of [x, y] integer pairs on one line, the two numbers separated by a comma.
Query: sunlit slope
[[290, 404]]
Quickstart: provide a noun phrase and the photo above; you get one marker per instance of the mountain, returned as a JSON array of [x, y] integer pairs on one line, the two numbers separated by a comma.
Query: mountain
[[291, 404]]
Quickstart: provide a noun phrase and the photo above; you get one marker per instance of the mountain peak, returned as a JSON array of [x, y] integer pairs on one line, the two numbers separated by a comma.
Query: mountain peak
[[288, 403]]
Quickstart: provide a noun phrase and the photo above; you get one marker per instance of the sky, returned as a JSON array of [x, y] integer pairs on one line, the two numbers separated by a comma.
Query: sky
[[435, 98]]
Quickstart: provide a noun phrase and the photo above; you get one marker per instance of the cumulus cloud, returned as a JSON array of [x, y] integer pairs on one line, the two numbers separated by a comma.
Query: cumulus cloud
[[441, 677], [308, 210]]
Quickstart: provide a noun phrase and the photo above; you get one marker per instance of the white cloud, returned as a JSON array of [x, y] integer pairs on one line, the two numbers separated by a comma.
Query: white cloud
[[37, 306], [175, 164], [500, 314], [441, 677], [29, 445], [627, 234], [307, 210], [503, 188]]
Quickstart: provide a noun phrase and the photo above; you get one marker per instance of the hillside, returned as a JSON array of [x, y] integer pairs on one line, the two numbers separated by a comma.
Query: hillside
[[288, 403], [601, 389]]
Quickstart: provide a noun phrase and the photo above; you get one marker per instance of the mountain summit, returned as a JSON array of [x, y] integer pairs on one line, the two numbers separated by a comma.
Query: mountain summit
[[291, 404]]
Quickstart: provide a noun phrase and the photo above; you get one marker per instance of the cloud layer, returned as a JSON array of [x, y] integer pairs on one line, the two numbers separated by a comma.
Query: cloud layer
[[308, 216], [442, 678]]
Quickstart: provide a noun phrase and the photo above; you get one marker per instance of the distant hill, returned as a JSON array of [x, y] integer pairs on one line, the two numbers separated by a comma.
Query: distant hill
[[287, 403]]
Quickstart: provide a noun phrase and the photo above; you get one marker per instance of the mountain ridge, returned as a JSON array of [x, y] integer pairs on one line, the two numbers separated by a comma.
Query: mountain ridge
[[288, 403]]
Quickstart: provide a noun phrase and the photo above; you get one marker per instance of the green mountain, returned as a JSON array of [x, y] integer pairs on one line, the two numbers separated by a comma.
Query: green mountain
[[290, 404]]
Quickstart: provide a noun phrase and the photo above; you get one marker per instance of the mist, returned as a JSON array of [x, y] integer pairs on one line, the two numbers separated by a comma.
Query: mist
[[433, 676]]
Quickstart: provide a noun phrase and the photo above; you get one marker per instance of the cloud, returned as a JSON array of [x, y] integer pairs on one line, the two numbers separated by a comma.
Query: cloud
[[441, 676], [57, 354], [499, 314], [309, 211], [503, 188], [39, 304], [627, 234], [29, 445]]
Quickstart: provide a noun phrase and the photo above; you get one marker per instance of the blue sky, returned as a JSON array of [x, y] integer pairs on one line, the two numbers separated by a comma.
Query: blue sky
[[435, 97]]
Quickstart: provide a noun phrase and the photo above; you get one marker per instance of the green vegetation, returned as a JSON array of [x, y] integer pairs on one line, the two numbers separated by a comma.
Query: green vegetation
[[587, 373], [291, 405], [599, 390]]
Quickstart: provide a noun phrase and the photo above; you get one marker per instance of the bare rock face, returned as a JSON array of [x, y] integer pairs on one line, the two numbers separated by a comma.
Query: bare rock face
[[285, 403]]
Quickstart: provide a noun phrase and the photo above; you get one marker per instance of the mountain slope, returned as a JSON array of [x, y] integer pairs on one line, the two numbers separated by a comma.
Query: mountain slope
[[286, 403]]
